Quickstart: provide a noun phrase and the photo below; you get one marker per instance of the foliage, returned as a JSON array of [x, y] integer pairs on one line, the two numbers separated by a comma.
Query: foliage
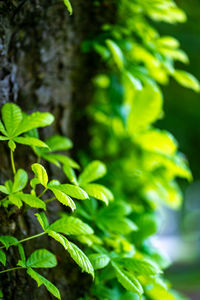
[[143, 161], [112, 227]]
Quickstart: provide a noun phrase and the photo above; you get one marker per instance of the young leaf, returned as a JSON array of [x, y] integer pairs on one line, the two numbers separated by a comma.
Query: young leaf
[[99, 192], [40, 173], [78, 256], [69, 172], [92, 172], [71, 225], [68, 5], [58, 143], [187, 80], [99, 261], [2, 129], [22, 254], [63, 198], [42, 219], [35, 120], [20, 180], [15, 199], [12, 116], [71, 190], [116, 53], [66, 161], [134, 81], [140, 266], [4, 190], [3, 138], [2, 257], [11, 145], [8, 240], [41, 258], [31, 200], [127, 280], [41, 280], [30, 141]]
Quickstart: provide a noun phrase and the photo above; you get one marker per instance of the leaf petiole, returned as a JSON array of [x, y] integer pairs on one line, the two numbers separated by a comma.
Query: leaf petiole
[[24, 240], [12, 162], [42, 193], [50, 199], [12, 269]]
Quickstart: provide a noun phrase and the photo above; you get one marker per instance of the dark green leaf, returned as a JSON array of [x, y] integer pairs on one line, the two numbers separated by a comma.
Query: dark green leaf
[[8, 240], [41, 258], [2, 257], [41, 280]]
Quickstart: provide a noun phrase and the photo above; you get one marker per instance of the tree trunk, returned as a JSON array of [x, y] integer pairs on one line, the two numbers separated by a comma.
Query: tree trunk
[[43, 68]]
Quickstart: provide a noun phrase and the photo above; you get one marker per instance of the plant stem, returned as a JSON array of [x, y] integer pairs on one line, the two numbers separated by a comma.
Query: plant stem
[[49, 200], [26, 239], [42, 193], [12, 269], [12, 162]]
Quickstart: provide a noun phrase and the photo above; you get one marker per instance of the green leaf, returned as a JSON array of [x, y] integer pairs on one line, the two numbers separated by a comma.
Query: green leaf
[[58, 143], [34, 182], [3, 189], [63, 198], [99, 261], [156, 140], [2, 129], [41, 280], [3, 138], [139, 266], [15, 199], [42, 219], [32, 200], [22, 254], [127, 280], [146, 109], [78, 256], [186, 79], [116, 53], [117, 225], [41, 258], [20, 180], [133, 80], [71, 225], [8, 240], [40, 173], [69, 172], [30, 141], [35, 120], [69, 7], [92, 172], [71, 190], [99, 192], [9, 185], [12, 116], [2, 257], [66, 161]]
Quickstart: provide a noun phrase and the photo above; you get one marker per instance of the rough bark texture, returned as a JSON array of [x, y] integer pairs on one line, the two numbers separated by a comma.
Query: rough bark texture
[[42, 68]]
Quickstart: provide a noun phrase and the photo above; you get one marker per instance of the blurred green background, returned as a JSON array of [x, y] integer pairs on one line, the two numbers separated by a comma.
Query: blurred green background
[[180, 234]]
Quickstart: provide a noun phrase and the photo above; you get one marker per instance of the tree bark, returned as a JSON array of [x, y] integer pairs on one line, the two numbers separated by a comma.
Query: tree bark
[[43, 68]]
